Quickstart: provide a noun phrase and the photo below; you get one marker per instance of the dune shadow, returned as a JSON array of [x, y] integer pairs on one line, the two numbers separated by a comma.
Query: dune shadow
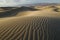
[[14, 12], [56, 9]]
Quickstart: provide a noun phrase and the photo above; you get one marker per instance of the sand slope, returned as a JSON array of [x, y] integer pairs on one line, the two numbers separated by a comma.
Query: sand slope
[[31, 25]]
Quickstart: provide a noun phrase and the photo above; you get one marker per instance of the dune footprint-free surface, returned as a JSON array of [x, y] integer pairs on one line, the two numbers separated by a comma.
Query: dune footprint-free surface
[[31, 25]]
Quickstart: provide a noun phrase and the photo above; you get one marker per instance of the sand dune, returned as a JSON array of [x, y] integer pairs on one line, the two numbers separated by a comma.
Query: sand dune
[[41, 24]]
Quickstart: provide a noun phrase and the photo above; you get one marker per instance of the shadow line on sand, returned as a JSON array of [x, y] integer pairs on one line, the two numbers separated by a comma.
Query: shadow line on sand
[[14, 12]]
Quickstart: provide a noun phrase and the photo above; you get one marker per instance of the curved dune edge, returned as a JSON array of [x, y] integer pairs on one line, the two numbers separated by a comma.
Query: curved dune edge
[[31, 25]]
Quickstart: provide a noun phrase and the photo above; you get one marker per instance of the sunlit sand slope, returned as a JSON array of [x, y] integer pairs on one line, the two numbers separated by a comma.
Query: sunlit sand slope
[[31, 25], [30, 28]]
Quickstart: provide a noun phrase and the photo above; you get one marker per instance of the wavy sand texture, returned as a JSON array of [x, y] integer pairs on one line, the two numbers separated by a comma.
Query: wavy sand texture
[[37, 25]]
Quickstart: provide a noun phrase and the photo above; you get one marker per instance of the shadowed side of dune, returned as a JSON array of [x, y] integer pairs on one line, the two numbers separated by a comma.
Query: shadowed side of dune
[[13, 12], [30, 28], [56, 9]]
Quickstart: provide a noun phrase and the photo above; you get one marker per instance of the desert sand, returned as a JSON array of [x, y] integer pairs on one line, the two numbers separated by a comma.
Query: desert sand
[[25, 23]]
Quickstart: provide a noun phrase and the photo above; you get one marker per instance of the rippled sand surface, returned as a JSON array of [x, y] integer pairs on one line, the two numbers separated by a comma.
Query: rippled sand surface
[[41, 24]]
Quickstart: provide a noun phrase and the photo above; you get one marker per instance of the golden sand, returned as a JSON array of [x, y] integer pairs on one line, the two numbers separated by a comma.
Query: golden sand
[[42, 24]]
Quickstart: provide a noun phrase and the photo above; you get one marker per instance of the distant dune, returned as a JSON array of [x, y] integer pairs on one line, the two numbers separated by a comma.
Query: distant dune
[[30, 23]]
